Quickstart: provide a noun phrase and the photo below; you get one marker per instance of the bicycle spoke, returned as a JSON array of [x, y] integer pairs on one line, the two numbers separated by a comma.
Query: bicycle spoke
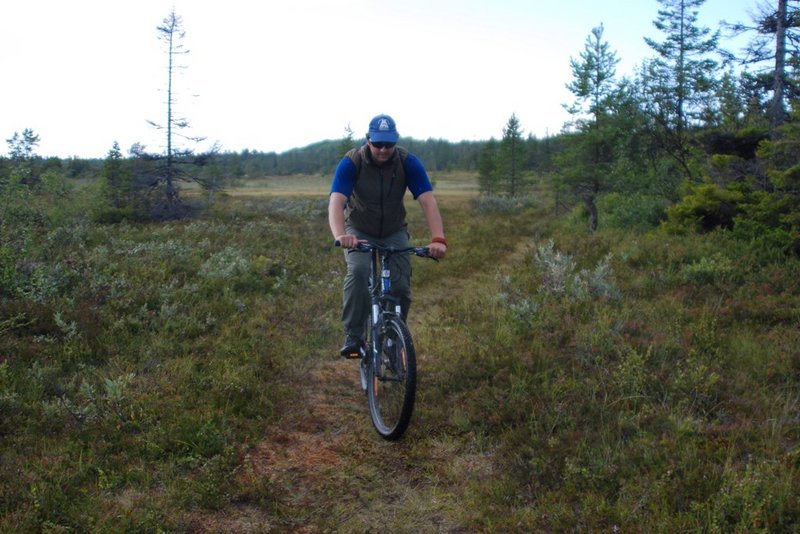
[[393, 386]]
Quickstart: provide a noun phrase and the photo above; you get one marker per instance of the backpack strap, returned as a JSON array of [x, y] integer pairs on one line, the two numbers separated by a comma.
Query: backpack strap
[[357, 157]]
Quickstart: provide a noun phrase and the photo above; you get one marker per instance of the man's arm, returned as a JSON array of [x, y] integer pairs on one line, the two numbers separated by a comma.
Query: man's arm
[[430, 208], [336, 205]]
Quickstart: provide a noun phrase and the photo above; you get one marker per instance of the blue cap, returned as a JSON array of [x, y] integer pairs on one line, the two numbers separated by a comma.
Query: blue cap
[[382, 129]]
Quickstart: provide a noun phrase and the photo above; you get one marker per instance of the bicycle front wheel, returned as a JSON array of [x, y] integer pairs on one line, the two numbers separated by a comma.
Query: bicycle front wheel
[[392, 382]]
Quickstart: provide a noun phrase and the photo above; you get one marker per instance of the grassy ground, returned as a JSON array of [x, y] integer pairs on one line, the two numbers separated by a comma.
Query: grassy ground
[[316, 185], [182, 377]]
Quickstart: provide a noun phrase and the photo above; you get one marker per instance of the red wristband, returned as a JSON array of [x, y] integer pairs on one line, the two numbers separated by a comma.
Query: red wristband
[[441, 240]]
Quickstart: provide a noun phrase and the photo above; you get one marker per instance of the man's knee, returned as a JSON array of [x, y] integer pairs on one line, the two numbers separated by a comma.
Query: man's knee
[[358, 271]]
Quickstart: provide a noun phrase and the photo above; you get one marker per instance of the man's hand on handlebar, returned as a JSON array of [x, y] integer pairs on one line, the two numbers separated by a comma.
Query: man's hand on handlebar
[[348, 241], [437, 251]]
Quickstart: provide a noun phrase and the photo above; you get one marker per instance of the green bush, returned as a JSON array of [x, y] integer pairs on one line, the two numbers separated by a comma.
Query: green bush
[[704, 207], [708, 270], [636, 211], [112, 215], [768, 222]]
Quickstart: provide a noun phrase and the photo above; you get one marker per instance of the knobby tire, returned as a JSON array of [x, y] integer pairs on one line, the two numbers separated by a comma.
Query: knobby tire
[[391, 399]]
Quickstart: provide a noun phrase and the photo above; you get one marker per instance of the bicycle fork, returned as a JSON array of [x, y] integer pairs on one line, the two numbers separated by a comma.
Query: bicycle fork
[[380, 304]]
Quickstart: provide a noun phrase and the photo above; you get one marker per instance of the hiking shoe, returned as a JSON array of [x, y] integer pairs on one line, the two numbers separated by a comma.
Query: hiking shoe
[[353, 347]]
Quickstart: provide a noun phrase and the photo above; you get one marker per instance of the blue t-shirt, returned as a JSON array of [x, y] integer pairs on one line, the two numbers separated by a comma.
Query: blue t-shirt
[[344, 179]]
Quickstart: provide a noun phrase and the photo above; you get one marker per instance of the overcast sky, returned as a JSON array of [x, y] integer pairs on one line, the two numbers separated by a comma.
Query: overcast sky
[[273, 75]]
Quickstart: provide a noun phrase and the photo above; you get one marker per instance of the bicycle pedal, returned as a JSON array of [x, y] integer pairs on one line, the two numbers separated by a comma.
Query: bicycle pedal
[[354, 354]]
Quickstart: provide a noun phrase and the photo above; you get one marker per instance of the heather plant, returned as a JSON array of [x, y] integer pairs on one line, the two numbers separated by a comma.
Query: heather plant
[[708, 270], [748, 500], [225, 264]]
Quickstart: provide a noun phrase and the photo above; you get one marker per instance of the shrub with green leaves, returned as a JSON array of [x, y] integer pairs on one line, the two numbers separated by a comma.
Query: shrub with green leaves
[[708, 270], [704, 207], [635, 211], [769, 222]]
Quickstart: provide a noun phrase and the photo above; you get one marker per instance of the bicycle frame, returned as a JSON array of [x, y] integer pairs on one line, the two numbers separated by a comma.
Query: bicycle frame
[[380, 289], [381, 294], [388, 361]]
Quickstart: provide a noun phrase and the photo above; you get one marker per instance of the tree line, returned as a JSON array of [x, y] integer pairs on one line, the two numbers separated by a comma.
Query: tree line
[[317, 158]]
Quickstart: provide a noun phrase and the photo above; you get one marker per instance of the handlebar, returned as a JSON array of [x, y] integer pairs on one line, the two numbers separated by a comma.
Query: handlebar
[[422, 252]]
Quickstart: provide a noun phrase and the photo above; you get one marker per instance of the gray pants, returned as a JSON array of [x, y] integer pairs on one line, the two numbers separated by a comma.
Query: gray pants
[[355, 295]]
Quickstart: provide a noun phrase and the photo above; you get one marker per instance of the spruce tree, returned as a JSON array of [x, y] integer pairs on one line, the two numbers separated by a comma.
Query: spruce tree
[[590, 155], [487, 169], [679, 81], [512, 157], [347, 143], [22, 153]]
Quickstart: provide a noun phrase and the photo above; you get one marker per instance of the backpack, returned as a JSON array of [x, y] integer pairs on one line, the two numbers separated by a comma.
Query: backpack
[[356, 158]]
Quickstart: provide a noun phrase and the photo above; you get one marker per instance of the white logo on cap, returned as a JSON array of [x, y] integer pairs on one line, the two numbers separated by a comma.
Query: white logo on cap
[[383, 125]]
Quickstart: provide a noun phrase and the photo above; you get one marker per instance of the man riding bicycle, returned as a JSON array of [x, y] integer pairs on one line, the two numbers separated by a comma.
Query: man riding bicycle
[[367, 204]]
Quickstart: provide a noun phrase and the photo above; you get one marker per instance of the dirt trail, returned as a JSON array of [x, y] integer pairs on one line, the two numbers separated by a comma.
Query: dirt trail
[[327, 467], [320, 460], [300, 453]]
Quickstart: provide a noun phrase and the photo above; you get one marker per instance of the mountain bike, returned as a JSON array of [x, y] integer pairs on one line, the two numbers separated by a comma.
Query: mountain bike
[[388, 366]]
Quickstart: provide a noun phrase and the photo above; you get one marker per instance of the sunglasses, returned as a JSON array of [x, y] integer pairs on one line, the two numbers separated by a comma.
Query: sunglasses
[[382, 145]]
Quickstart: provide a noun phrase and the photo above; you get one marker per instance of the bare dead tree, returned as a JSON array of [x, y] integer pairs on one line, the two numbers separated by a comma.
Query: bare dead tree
[[161, 173]]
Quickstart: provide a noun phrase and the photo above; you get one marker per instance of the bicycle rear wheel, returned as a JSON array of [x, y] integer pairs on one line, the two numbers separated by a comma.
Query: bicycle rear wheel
[[392, 385]]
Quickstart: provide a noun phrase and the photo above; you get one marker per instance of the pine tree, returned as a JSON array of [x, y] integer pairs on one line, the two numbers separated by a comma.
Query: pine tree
[[593, 76], [487, 169], [347, 142], [679, 81], [117, 178], [512, 157], [22, 153], [732, 106], [591, 150]]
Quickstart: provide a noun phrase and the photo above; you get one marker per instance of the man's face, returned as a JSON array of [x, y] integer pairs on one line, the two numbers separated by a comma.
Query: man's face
[[381, 152]]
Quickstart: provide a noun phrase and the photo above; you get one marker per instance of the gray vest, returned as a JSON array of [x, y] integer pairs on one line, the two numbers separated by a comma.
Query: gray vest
[[376, 205]]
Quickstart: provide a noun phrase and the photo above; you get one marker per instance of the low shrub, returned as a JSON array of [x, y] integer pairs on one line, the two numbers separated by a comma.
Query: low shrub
[[560, 276], [704, 207], [636, 212]]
